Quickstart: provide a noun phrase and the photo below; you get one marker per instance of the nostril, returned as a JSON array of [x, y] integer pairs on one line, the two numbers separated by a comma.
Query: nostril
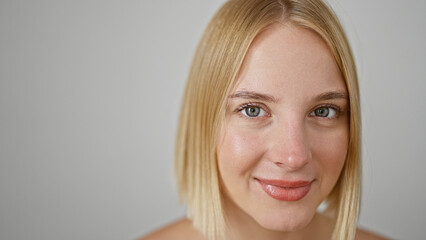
[[279, 163], [292, 162]]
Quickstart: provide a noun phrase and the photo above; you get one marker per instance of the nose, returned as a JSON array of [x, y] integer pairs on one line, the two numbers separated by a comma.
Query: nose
[[289, 146]]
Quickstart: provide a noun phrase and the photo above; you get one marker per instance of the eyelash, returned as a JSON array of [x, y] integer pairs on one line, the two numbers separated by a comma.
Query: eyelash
[[337, 109], [251, 105], [242, 107]]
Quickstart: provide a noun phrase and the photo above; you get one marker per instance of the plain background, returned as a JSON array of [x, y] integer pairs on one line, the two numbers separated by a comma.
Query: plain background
[[89, 100]]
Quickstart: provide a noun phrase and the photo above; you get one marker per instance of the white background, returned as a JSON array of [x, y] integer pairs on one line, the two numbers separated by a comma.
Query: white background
[[89, 100]]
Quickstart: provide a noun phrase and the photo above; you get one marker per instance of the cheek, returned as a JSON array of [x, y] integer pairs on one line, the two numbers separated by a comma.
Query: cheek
[[330, 151], [238, 152]]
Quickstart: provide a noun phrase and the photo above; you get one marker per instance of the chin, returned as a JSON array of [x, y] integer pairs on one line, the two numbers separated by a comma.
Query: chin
[[285, 222]]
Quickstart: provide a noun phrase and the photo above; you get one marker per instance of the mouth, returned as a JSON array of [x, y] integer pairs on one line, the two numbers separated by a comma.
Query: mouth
[[285, 190]]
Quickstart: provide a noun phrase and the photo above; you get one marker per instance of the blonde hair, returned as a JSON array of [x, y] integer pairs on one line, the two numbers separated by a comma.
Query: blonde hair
[[215, 66]]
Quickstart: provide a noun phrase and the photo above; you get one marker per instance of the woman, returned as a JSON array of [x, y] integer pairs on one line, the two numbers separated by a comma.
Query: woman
[[270, 127]]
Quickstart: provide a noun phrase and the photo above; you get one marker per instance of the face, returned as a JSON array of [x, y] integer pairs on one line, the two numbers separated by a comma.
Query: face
[[284, 139]]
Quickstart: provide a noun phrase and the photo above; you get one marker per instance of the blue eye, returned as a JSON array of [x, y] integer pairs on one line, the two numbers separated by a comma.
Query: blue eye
[[253, 111], [325, 112]]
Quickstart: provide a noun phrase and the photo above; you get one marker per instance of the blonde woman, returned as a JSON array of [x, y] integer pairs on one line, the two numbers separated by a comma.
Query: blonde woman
[[270, 127]]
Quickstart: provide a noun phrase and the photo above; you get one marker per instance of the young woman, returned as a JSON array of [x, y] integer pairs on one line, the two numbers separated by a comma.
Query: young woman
[[270, 127]]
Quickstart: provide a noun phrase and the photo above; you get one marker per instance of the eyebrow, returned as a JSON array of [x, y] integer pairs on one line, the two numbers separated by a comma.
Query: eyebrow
[[332, 95], [254, 95], [268, 98]]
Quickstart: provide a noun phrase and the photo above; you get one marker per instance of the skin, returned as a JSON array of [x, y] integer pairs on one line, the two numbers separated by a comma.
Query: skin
[[287, 140], [287, 119], [183, 230]]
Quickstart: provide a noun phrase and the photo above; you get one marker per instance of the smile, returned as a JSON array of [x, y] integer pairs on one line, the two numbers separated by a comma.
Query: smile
[[285, 190]]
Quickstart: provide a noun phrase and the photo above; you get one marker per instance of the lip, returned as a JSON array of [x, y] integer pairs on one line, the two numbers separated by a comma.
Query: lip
[[284, 190]]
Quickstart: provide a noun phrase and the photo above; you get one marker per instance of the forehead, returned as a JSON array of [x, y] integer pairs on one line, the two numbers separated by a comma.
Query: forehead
[[289, 58]]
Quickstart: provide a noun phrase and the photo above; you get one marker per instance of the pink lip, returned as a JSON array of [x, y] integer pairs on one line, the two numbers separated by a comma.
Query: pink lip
[[285, 190]]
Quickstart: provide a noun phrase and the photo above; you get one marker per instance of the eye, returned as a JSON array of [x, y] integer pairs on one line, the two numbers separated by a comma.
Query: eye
[[324, 112], [253, 111]]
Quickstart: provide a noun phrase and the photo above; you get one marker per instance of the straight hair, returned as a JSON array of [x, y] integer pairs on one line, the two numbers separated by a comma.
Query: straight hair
[[215, 66]]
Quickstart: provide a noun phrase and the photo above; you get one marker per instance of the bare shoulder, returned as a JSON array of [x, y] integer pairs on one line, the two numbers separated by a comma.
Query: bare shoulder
[[362, 234], [179, 230]]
